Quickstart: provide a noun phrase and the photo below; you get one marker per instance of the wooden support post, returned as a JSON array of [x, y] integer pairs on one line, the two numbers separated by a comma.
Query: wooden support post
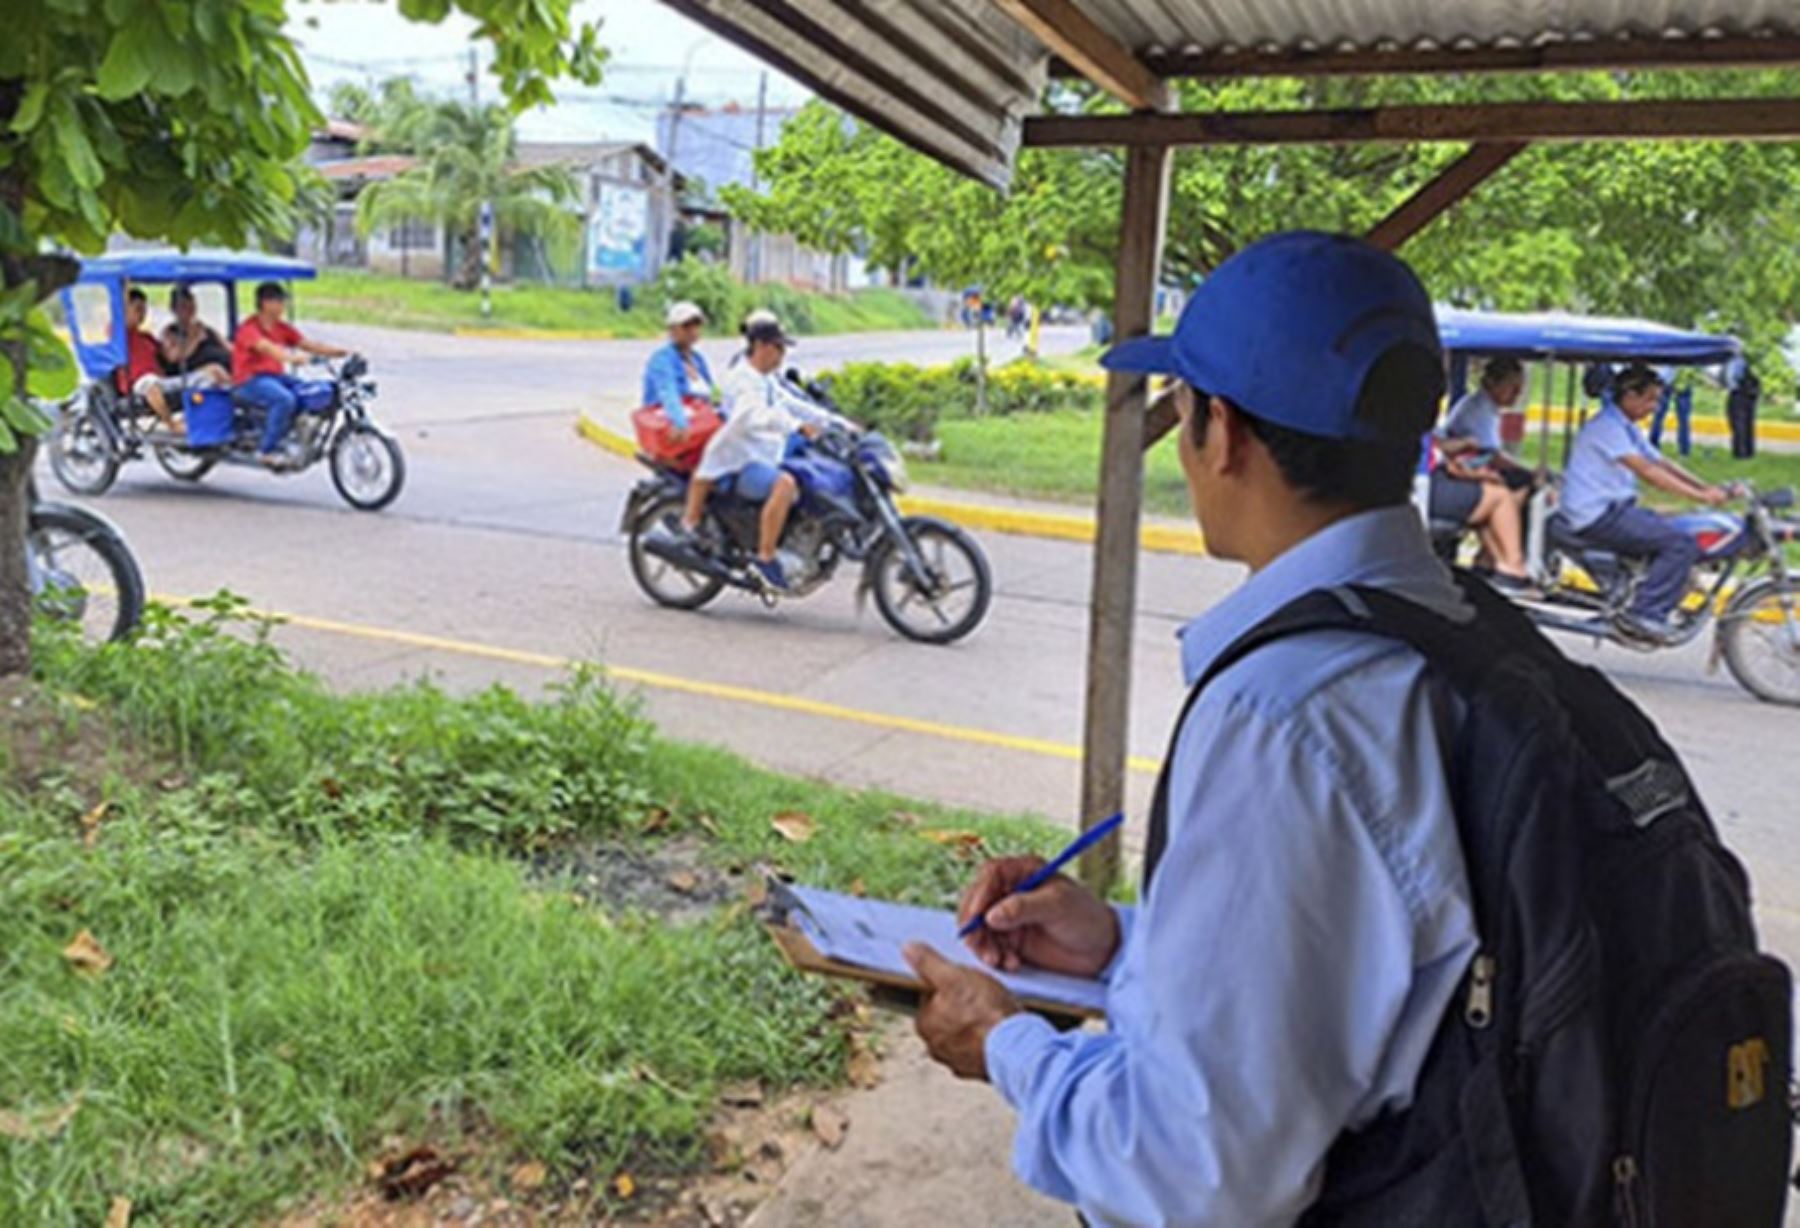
[[1113, 601], [1443, 190]]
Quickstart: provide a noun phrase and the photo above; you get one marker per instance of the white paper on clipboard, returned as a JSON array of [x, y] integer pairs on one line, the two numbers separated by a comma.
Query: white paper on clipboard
[[871, 933]]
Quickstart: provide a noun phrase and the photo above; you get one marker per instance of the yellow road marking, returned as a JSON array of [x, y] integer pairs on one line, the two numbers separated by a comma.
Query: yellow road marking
[[657, 680], [1021, 522]]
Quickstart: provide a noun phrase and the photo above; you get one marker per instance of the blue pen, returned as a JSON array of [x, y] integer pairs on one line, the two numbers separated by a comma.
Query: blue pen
[[1085, 841]]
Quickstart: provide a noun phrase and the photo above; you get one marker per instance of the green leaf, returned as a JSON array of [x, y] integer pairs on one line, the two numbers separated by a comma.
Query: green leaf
[[126, 69], [31, 106], [76, 149], [50, 369], [10, 407]]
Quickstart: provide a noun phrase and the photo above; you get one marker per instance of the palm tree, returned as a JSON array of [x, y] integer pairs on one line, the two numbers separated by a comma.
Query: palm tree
[[467, 155]]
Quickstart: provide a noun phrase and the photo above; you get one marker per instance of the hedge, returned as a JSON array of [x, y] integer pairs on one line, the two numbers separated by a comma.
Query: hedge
[[906, 401]]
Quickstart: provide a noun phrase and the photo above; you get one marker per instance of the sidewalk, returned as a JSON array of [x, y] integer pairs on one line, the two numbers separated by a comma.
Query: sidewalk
[[922, 1148], [609, 427]]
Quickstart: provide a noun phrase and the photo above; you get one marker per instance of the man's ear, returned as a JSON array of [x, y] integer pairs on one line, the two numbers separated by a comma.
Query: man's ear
[[1225, 425]]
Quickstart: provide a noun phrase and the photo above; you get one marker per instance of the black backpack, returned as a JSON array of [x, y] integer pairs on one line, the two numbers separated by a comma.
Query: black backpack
[[1619, 1052]]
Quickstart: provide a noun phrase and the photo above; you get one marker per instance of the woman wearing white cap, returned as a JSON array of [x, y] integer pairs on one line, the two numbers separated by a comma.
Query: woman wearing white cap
[[678, 369]]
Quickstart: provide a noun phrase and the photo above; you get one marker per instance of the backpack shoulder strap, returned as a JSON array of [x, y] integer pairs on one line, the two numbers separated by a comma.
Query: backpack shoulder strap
[[1344, 608]]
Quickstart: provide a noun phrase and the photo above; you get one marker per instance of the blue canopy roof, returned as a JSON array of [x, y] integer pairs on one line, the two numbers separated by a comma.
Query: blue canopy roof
[[169, 265], [1572, 338]]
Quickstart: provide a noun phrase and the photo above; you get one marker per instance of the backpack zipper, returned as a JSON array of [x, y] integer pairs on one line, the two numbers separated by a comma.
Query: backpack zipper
[[1478, 1012], [1625, 1181]]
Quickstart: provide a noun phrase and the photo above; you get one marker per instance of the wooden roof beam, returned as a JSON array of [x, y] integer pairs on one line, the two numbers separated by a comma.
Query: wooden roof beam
[[1770, 119], [1091, 51], [1442, 191]]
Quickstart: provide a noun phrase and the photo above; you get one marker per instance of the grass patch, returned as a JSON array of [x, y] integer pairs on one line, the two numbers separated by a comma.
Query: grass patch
[[1044, 456], [349, 296], [329, 925]]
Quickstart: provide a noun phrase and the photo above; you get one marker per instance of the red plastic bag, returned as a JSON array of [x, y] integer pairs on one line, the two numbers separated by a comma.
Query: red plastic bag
[[654, 431]]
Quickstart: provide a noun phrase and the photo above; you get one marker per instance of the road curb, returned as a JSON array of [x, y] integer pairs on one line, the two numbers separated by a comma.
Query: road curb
[[1018, 522], [479, 332]]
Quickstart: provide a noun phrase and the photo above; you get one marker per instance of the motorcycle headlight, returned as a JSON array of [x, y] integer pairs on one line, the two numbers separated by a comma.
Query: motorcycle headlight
[[894, 465]]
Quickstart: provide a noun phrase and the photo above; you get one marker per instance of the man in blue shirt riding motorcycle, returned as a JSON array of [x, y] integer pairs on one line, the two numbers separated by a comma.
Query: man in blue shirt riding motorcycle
[[1599, 498]]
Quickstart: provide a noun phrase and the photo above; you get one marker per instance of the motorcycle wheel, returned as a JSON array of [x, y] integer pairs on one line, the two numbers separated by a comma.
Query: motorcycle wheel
[[82, 456], [662, 581], [367, 468], [83, 572], [1753, 635], [958, 596], [183, 465]]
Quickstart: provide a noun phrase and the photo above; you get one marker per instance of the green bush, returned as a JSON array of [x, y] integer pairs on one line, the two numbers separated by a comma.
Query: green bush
[[719, 294], [218, 695], [907, 401]]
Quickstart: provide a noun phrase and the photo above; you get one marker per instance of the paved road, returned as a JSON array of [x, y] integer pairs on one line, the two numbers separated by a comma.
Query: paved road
[[505, 550]]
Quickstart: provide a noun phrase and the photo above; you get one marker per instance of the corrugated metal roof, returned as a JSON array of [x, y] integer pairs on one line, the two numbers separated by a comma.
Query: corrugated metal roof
[[955, 77], [1151, 26]]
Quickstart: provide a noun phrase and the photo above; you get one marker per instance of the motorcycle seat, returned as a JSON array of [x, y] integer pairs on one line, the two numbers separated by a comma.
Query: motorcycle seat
[[1563, 538]]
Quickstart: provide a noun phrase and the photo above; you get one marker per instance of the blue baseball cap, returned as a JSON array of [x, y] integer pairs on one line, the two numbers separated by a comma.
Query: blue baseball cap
[[1288, 329]]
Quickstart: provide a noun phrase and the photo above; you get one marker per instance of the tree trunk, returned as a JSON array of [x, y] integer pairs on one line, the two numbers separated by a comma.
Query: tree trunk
[[15, 591]]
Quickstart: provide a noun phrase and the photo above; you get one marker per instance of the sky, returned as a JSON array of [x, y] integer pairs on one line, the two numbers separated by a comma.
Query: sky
[[366, 41]]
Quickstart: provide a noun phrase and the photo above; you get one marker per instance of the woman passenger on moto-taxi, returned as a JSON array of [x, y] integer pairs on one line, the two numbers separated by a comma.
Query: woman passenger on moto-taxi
[[676, 371]]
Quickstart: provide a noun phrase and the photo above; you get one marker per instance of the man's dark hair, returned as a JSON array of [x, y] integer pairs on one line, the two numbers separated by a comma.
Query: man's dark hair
[[268, 291], [1398, 401], [179, 295], [1499, 370], [135, 295], [1634, 378]]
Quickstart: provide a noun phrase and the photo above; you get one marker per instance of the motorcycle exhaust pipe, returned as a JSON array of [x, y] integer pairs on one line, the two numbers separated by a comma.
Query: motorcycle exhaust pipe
[[684, 556]]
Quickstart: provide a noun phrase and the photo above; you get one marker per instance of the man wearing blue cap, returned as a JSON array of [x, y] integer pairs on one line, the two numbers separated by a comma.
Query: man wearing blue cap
[[1306, 917]]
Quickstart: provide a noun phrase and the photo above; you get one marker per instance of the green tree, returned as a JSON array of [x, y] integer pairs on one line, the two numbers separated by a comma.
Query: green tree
[[468, 156], [181, 121], [1693, 233]]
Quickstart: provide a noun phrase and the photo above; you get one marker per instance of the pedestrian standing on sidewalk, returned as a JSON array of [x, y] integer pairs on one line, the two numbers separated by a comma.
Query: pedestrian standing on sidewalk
[[1387, 967], [1310, 917]]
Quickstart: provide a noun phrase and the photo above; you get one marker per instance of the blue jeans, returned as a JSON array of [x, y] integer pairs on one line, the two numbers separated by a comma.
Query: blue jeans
[[273, 394], [1626, 528]]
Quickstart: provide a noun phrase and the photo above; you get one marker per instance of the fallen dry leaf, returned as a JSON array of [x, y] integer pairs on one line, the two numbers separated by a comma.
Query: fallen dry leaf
[[742, 1095], [90, 824], [624, 1186], [684, 881], [858, 887], [119, 1214], [85, 954], [32, 1127], [757, 893], [829, 1125], [794, 826], [864, 1071], [529, 1175], [410, 1173], [708, 825], [961, 841], [905, 818]]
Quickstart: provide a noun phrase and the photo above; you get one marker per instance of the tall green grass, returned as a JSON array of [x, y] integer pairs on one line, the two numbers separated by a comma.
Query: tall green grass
[[325, 931]]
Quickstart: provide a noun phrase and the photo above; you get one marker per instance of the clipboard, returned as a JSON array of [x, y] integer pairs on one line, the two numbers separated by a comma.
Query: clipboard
[[892, 989]]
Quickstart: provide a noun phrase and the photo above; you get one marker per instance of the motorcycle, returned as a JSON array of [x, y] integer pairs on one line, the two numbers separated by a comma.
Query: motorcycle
[[929, 579], [99, 431], [1743, 587], [80, 571]]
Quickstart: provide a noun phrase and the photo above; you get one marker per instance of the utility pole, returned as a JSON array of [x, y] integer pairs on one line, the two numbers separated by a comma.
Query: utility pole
[[753, 265], [484, 229]]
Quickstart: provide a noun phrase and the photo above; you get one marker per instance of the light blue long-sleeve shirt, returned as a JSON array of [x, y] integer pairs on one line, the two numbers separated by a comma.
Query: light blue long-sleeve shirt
[[666, 382], [1308, 923]]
